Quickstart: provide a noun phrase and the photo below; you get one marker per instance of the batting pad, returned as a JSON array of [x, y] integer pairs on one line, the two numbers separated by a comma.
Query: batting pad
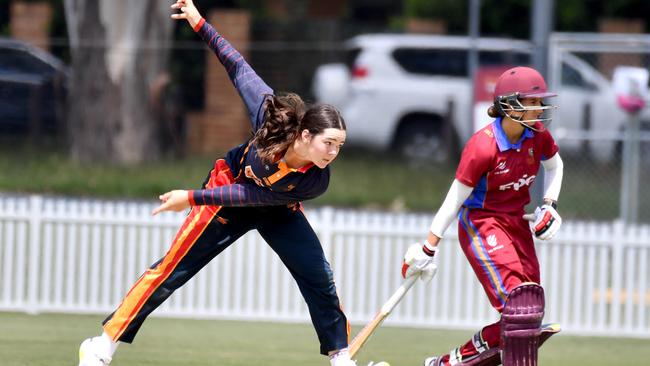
[[521, 322]]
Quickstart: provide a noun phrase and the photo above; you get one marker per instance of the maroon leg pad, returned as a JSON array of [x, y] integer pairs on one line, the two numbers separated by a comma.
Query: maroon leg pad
[[492, 357], [521, 322]]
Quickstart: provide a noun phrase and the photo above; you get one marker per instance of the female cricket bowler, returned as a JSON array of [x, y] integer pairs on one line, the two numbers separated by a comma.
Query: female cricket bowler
[[257, 185], [498, 165]]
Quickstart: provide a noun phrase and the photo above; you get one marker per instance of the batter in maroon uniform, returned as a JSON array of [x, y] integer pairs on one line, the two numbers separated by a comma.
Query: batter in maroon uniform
[[498, 166]]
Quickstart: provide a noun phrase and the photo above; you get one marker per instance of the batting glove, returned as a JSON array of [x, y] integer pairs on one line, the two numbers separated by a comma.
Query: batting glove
[[545, 221], [419, 259]]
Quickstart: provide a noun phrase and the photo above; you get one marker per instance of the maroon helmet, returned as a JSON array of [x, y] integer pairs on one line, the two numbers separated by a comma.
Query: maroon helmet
[[524, 81], [520, 83]]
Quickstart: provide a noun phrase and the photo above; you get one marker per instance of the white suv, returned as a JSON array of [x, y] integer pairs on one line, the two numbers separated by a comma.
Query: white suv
[[412, 93]]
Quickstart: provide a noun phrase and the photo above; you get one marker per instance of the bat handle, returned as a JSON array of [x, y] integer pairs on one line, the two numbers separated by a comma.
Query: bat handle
[[399, 294]]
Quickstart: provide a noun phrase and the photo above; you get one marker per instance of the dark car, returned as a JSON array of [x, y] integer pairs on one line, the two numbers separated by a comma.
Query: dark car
[[33, 89]]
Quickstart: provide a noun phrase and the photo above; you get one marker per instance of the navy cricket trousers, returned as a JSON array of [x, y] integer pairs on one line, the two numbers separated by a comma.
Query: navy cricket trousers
[[205, 234]]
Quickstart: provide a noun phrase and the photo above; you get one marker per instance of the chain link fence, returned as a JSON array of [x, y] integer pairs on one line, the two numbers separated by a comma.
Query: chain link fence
[[590, 127], [606, 149]]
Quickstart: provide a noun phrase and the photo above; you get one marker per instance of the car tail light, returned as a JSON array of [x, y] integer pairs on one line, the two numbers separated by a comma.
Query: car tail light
[[359, 72]]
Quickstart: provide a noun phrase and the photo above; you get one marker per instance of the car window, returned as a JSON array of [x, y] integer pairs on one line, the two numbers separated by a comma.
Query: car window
[[452, 62], [446, 62], [491, 58], [14, 61], [572, 77]]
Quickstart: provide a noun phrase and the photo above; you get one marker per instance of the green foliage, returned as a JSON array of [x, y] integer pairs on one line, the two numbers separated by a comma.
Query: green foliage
[[256, 7], [572, 16], [498, 17], [512, 17], [452, 11], [506, 18], [626, 9], [53, 339], [4, 17]]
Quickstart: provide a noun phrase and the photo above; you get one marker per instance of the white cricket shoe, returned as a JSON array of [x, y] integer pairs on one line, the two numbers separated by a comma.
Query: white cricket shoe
[[431, 361], [89, 356], [342, 358]]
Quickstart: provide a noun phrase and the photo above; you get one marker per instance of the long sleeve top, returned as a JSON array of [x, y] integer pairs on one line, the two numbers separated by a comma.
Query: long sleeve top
[[256, 183]]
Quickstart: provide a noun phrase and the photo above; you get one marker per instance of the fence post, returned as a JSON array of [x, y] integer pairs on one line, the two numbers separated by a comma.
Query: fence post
[[35, 218], [618, 249], [630, 171]]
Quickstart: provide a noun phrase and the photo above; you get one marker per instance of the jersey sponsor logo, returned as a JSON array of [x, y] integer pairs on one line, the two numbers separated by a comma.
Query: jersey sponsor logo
[[501, 168], [488, 132], [524, 181]]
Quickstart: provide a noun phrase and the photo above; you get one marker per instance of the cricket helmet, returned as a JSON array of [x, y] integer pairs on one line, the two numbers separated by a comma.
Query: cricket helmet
[[520, 83]]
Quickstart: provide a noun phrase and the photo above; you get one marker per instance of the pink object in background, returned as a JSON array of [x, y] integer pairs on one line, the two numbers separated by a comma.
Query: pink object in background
[[631, 103]]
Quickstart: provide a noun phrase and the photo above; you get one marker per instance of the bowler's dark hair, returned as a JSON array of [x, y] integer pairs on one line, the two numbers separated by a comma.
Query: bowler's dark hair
[[285, 117]]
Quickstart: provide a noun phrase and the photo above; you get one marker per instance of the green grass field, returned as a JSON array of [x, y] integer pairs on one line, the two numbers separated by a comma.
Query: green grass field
[[53, 339]]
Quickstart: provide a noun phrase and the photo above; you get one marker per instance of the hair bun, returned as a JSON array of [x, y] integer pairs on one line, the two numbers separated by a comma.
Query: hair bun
[[492, 112]]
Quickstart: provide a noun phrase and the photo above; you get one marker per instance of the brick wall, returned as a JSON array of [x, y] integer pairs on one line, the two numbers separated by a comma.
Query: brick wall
[[224, 122], [417, 25], [30, 22], [608, 62]]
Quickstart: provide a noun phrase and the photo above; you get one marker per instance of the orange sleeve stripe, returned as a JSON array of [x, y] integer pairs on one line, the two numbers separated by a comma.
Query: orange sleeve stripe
[[198, 25]]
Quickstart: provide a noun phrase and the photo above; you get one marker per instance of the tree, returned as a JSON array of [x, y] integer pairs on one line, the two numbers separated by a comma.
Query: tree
[[119, 55]]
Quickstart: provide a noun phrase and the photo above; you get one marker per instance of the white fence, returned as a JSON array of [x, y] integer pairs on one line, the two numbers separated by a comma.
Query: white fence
[[80, 256]]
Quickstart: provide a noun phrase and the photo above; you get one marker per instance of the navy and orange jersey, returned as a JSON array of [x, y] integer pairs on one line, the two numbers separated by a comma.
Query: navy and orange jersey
[[502, 172], [257, 183]]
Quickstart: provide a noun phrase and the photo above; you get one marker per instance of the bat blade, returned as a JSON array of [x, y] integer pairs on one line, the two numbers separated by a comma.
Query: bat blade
[[362, 337]]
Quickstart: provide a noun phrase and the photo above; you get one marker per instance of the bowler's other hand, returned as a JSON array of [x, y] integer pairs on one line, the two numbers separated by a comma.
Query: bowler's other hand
[[176, 200]]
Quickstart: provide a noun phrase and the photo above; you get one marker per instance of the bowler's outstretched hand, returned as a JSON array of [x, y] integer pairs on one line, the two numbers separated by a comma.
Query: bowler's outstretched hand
[[176, 200]]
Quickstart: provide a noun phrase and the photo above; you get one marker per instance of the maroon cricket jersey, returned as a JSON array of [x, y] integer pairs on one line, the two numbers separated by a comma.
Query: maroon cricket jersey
[[502, 172]]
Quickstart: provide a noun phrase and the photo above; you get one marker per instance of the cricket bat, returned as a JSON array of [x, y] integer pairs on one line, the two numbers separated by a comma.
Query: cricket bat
[[365, 333]]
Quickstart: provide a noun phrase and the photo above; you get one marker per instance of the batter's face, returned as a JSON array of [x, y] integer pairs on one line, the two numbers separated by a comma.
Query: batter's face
[[324, 147], [532, 116]]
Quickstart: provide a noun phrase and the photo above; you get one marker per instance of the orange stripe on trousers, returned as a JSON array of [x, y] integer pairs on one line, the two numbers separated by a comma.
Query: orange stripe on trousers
[[149, 282]]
